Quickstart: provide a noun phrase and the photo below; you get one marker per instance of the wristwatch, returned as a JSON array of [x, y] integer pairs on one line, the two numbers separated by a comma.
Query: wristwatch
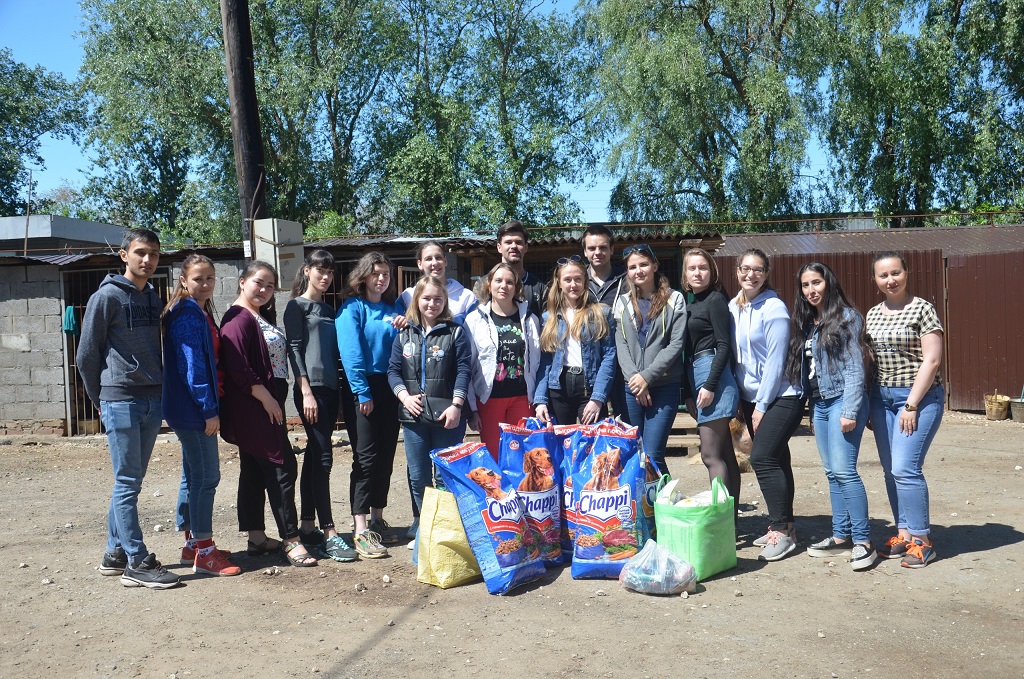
[[909, 408]]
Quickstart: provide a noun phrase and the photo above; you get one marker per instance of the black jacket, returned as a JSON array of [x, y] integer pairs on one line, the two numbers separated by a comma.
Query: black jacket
[[437, 364]]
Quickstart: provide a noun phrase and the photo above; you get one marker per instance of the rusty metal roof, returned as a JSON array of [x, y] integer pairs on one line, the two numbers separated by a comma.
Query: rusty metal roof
[[959, 240], [569, 235]]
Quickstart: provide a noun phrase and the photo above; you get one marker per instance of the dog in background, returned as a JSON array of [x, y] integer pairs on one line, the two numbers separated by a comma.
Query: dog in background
[[489, 480], [741, 443], [606, 469], [539, 471]]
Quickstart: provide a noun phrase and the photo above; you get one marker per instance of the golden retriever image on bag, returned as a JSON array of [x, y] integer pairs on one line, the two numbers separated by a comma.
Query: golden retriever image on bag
[[489, 480], [606, 469], [539, 470]]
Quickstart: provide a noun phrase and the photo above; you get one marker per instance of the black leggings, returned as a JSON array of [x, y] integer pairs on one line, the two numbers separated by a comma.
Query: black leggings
[[315, 482], [567, 404], [770, 456], [717, 454], [373, 457]]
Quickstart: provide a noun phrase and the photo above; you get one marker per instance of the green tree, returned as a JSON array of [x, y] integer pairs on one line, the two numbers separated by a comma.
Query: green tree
[[33, 103], [707, 102]]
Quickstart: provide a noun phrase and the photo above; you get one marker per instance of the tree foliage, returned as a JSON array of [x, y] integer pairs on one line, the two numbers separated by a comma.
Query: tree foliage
[[33, 103]]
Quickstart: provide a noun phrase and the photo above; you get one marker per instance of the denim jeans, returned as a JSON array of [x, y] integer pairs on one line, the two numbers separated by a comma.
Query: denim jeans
[[902, 456], [200, 474], [655, 421], [421, 438], [132, 427], [839, 453]]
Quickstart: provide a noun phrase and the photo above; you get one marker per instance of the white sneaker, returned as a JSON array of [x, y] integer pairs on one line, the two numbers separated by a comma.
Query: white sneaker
[[777, 546]]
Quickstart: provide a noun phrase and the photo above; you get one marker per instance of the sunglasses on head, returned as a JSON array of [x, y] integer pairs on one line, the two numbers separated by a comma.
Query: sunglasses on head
[[565, 260], [639, 248]]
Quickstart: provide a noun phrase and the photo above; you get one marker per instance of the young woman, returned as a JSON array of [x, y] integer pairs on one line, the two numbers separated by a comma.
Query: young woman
[[253, 355], [906, 403], [429, 371], [367, 325], [772, 407], [506, 341], [578, 344], [650, 332], [827, 353], [313, 353], [430, 260], [191, 406], [712, 386]]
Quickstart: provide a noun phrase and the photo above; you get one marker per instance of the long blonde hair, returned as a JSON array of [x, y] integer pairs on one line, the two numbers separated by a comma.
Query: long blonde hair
[[662, 288], [589, 314], [180, 290], [412, 314]]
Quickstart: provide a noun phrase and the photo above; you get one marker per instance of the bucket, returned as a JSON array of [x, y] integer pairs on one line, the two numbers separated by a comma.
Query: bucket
[[1017, 409], [997, 406]]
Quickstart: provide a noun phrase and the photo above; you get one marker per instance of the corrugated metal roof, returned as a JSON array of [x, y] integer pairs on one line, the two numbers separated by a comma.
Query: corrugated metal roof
[[563, 236], [951, 240], [58, 260]]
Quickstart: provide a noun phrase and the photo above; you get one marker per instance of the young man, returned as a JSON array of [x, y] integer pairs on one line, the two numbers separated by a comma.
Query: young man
[[607, 281], [119, 359], [512, 246]]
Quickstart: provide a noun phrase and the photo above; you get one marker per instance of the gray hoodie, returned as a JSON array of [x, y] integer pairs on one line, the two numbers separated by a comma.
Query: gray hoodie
[[660, 360], [119, 351]]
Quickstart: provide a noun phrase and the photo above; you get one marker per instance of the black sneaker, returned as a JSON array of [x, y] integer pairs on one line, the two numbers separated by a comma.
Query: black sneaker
[[114, 564], [862, 556], [150, 574], [828, 548]]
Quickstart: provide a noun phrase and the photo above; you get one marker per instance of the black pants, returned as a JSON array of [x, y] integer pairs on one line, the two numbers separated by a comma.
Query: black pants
[[315, 482], [348, 409], [617, 394], [770, 456], [567, 404], [259, 478], [373, 457]]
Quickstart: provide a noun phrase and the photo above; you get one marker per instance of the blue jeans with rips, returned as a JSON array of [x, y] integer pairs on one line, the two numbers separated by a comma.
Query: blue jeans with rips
[[839, 452], [132, 427], [655, 421], [902, 456], [200, 474], [420, 438]]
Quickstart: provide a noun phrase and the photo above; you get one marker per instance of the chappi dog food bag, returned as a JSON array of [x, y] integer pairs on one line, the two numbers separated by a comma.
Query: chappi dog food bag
[[608, 493], [528, 460], [492, 514], [575, 442]]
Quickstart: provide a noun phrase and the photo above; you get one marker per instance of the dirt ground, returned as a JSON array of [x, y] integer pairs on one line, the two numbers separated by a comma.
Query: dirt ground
[[800, 617]]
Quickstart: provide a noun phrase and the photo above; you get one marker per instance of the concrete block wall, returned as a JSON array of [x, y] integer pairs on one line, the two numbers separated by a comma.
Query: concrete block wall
[[31, 351]]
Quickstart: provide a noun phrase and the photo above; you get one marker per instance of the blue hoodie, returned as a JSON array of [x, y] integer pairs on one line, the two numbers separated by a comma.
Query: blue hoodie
[[760, 346], [365, 338], [190, 368]]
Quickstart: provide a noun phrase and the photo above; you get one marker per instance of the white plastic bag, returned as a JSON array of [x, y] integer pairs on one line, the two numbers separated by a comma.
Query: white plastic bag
[[655, 570]]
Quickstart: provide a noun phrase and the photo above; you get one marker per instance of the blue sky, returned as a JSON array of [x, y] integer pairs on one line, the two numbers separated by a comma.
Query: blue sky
[[44, 32]]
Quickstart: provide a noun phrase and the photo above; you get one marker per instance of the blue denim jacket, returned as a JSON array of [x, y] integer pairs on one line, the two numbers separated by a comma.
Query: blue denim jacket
[[844, 377], [599, 364]]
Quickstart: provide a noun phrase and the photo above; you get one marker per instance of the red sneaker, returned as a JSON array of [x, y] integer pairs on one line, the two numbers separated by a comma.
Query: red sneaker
[[215, 563], [188, 555]]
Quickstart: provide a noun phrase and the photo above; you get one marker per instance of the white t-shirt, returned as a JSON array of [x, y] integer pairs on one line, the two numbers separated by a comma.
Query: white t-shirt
[[573, 352]]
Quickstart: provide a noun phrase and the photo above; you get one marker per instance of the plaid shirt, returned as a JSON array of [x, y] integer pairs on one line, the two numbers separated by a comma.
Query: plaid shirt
[[896, 341]]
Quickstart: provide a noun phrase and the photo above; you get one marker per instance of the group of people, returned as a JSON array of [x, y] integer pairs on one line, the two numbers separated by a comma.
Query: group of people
[[439, 357]]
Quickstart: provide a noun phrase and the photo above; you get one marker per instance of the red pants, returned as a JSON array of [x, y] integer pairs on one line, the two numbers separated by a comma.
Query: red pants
[[496, 411]]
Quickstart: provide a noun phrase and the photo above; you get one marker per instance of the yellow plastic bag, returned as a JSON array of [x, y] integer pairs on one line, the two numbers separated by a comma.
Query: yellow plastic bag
[[444, 558]]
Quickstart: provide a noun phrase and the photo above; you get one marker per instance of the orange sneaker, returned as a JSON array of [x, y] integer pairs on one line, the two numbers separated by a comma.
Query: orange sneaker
[[214, 563], [894, 548], [188, 555]]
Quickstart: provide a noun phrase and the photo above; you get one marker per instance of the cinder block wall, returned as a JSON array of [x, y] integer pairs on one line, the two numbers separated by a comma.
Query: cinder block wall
[[31, 351]]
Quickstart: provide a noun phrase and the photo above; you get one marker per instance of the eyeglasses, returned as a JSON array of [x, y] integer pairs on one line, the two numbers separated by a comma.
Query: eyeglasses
[[639, 247], [565, 260], [756, 270]]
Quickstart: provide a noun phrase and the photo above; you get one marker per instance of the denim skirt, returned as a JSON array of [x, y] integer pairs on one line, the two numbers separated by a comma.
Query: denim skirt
[[726, 396]]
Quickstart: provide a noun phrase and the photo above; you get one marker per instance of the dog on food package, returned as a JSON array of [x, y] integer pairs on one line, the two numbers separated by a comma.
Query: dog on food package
[[608, 493], [528, 459], [575, 442], [492, 514]]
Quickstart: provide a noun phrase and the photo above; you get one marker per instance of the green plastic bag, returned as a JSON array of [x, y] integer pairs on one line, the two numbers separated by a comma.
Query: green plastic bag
[[444, 558], [703, 536]]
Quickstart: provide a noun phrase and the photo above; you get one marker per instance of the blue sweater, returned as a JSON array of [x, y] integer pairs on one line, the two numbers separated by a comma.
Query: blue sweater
[[365, 338], [190, 368]]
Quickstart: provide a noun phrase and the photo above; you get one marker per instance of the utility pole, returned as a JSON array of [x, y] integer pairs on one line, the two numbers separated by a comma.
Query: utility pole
[[245, 115]]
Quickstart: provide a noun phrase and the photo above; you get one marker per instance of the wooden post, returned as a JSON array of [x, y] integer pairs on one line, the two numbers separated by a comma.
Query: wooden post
[[245, 115]]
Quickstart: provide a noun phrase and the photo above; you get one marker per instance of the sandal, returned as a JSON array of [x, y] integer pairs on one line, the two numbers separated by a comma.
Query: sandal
[[305, 561], [268, 546]]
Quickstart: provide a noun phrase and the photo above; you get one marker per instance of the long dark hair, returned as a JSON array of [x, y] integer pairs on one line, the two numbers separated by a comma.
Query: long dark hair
[[834, 327], [662, 288], [318, 259]]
